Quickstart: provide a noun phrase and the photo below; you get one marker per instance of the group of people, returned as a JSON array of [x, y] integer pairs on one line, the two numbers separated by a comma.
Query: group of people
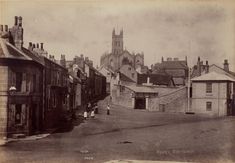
[[92, 110]]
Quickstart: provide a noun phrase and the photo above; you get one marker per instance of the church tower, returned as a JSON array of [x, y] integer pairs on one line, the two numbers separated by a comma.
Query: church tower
[[117, 43]]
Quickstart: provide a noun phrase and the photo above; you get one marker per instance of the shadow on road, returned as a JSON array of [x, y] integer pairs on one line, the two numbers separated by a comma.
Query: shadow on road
[[67, 126]]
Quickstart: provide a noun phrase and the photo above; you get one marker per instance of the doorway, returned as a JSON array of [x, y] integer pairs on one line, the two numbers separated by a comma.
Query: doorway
[[140, 103], [34, 119]]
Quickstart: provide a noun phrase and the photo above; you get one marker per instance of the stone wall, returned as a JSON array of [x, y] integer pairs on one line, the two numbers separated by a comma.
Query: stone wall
[[123, 97], [3, 100], [175, 101]]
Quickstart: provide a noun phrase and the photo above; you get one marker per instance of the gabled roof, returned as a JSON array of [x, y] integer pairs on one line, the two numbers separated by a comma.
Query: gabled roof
[[213, 76], [230, 72]]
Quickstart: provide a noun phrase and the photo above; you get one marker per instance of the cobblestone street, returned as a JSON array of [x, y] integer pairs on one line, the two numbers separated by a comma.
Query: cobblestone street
[[132, 135]]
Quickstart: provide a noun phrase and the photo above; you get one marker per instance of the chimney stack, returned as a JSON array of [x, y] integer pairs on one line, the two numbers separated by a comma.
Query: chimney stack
[[199, 66], [20, 21], [207, 67], [226, 65], [42, 46], [1, 28], [6, 28], [62, 60], [16, 20], [30, 46]]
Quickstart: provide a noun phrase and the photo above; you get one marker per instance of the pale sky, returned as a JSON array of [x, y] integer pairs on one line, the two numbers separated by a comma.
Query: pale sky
[[170, 28]]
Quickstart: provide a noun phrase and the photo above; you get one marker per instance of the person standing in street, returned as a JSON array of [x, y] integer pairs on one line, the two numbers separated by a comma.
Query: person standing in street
[[85, 115], [108, 109], [96, 108], [92, 113]]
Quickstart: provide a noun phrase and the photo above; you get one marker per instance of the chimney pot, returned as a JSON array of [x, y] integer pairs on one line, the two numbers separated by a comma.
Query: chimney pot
[[198, 59], [16, 20], [226, 65], [33, 46], [20, 21], [42, 46], [37, 45], [6, 28]]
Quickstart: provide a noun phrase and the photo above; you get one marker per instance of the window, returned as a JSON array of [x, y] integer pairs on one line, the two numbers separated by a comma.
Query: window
[[19, 78], [27, 82], [54, 99], [18, 113], [208, 87], [208, 106], [34, 83]]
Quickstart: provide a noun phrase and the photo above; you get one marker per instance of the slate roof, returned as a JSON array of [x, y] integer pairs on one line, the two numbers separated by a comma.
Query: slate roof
[[11, 52], [156, 79], [213, 76], [174, 65], [125, 78], [35, 57], [162, 91], [179, 81], [230, 72]]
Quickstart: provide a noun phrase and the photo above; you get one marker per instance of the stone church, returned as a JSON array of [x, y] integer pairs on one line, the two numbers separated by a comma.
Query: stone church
[[119, 57]]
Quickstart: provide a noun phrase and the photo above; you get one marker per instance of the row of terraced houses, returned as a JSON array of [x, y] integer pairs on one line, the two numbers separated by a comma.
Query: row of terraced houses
[[37, 92]]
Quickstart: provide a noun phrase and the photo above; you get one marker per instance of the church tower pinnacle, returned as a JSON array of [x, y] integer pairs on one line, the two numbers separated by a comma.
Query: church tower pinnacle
[[117, 42]]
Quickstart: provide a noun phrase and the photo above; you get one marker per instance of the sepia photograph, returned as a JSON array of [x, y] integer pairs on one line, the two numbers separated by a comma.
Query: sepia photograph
[[117, 81]]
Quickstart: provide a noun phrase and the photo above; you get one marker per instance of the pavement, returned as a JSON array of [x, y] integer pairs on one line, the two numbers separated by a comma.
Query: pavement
[[128, 135]]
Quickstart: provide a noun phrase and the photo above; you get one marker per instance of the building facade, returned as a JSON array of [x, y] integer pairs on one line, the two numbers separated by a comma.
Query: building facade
[[21, 85], [178, 69], [213, 94], [34, 88]]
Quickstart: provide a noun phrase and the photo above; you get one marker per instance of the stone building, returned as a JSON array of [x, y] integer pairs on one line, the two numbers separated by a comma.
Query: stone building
[[178, 69], [119, 57], [213, 94], [34, 88], [21, 85]]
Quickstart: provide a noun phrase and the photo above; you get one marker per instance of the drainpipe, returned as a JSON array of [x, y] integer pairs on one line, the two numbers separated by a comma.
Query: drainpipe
[[188, 106], [218, 98]]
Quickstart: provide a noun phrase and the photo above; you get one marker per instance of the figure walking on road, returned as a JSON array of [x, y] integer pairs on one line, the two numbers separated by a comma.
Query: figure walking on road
[[108, 109], [85, 115], [92, 113]]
